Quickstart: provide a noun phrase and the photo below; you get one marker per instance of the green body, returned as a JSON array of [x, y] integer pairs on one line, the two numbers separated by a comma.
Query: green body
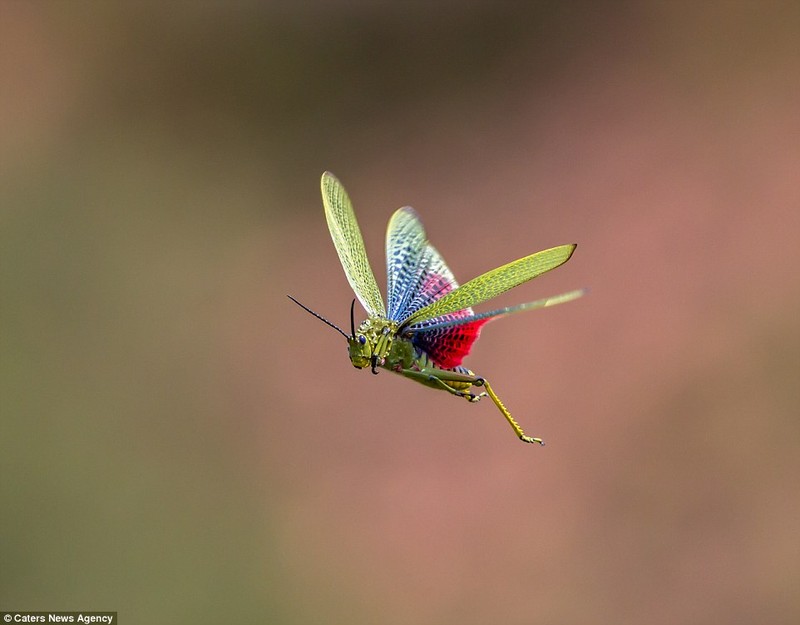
[[376, 342]]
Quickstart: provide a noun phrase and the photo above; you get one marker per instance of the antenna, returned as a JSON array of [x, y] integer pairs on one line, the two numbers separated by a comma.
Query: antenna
[[321, 318]]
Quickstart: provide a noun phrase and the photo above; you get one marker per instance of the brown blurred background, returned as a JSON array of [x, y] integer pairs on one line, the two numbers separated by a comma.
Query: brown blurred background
[[182, 444]]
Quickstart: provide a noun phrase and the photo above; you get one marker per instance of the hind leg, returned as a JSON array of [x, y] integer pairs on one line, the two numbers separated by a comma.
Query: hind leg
[[458, 384]]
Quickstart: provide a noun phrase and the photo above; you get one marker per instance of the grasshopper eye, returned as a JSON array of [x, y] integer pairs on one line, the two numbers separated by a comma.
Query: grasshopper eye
[[362, 339]]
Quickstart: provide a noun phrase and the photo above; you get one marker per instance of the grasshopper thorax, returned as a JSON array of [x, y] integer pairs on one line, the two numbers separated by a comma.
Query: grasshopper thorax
[[370, 344]]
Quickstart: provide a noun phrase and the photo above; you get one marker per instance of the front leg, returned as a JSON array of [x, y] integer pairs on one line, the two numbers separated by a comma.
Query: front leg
[[439, 378]]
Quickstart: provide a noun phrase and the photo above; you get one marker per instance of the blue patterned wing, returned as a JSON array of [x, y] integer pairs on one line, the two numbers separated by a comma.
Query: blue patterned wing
[[405, 246], [417, 276]]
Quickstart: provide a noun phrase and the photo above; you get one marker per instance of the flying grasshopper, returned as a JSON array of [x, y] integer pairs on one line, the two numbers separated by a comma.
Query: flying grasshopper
[[429, 326]]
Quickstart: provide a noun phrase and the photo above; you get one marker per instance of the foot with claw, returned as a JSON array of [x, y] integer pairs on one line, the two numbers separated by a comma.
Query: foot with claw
[[472, 397]]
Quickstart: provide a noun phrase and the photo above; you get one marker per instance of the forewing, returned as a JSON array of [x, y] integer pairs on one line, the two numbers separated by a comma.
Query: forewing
[[493, 283], [457, 319], [349, 245], [405, 248]]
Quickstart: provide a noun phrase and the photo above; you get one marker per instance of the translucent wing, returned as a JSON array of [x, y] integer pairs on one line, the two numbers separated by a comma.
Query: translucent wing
[[417, 273], [493, 283], [432, 281], [405, 249], [450, 321], [349, 245]]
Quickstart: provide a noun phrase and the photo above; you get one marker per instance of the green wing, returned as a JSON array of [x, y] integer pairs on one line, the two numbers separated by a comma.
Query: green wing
[[493, 283], [491, 315], [349, 245]]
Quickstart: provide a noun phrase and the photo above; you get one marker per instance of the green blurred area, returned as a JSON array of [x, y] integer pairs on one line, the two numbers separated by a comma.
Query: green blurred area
[[181, 444]]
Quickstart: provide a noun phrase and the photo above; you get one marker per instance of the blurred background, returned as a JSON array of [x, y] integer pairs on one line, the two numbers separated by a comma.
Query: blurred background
[[182, 444]]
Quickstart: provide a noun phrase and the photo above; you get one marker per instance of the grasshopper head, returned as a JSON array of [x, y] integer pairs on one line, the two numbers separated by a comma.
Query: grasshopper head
[[370, 344]]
